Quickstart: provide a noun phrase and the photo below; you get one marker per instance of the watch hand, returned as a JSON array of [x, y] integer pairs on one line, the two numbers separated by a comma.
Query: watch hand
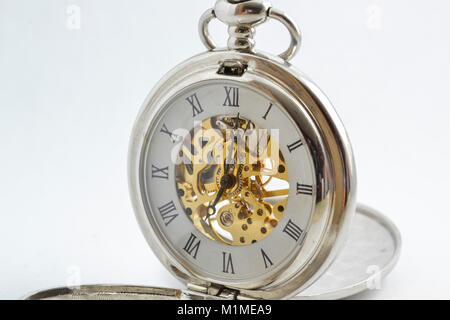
[[232, 156], [227, 182], [211, 210], [236, 122], [229, 161]]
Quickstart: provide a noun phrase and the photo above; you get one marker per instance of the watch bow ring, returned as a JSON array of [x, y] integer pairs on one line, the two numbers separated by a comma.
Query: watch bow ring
[[246, 15]]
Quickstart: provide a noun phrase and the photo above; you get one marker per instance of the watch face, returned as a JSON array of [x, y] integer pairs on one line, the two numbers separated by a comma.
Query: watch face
[[229, 181]]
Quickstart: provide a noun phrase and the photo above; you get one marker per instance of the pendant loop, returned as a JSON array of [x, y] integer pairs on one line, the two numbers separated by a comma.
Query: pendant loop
[[294, 31], [203, 29], [242, 17]]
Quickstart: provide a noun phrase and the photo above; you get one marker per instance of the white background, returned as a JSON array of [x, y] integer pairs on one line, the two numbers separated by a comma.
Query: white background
[[69, 94]]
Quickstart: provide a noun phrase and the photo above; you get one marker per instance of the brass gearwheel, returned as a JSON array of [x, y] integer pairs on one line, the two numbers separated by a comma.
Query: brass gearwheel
[[232, 194]]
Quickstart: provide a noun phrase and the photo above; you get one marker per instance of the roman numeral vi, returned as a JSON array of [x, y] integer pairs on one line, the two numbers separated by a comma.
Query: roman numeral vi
[[227, 263]]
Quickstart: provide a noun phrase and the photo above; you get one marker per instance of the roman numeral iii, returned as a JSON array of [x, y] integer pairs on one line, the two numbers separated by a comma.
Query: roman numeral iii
[[160, 173], [192, 246], [168, 213], [304, 189], [293, 230], [227, 263], [232, 99], [195, 104]]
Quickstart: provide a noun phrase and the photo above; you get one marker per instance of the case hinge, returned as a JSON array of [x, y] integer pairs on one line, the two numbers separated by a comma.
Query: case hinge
[[215, 291]]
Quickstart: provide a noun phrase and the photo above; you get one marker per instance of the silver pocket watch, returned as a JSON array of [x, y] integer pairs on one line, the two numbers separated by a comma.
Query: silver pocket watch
[[243, 180]]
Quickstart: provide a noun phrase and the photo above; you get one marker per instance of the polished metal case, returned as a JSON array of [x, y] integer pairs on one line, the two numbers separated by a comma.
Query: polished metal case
[[325, 137]]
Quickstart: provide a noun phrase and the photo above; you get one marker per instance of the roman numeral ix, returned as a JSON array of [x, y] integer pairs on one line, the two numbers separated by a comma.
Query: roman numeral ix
[[293, 230], [232, 99], [304, 189], [167, 212], [160, 173], [192, 246], [195, 104], [227, 263]]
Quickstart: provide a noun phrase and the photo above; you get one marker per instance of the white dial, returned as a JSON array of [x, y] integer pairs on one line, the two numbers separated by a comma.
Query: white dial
[[253, 229]]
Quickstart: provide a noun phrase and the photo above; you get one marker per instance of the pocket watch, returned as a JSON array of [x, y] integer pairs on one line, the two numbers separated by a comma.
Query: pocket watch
[[243, 180]]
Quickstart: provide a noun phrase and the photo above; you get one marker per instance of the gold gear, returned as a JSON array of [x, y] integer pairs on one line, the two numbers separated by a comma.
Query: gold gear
[[249, 210]]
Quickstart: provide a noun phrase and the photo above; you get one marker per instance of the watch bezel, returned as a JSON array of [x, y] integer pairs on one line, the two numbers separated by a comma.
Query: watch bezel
[[326, 138]]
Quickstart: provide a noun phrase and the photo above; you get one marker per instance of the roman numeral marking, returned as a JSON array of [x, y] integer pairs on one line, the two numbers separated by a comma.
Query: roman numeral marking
[[167, 212], [293, 230], [172, 136], [227, 263], [267, 262], [268, 110], [192, 246], [195, 103], [160, 173], [232, 99], [295, 145], [304, 189]]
